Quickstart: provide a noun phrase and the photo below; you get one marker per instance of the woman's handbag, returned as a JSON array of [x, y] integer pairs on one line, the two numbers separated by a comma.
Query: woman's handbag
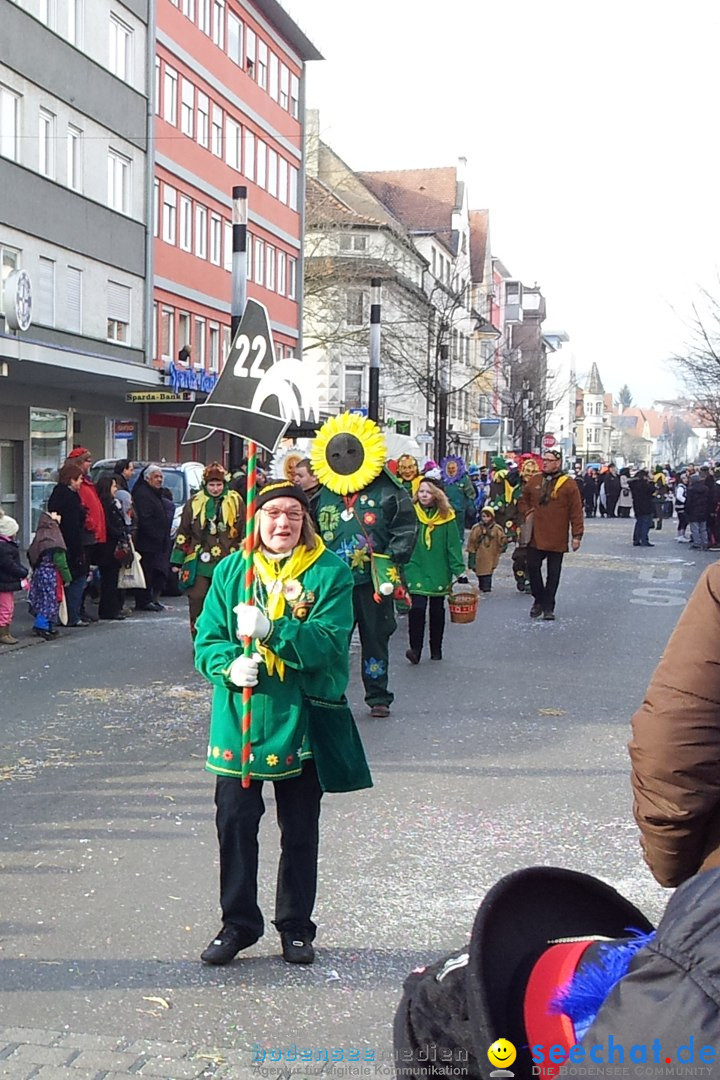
[[63, 611], [336, 746], [132, 577], [123, 553]]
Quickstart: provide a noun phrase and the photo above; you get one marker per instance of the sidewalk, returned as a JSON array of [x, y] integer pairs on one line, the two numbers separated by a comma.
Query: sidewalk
[[23, 622]]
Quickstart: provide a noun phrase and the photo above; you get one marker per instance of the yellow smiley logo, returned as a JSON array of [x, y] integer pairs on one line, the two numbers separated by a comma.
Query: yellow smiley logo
[[502, 1053]]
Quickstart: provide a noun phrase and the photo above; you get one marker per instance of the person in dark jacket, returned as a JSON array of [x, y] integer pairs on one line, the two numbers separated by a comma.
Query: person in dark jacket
[[611, 486], [642, 490], [590, 493], [65, 501], [152, 537], [698, 509], [12, 573], [118, 540]]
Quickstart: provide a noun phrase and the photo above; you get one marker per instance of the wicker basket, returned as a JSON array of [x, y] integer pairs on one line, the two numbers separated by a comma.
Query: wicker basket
[[463, 604]]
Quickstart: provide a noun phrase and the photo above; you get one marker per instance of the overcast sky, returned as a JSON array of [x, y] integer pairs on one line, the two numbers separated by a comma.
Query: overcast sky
[[591, 133]]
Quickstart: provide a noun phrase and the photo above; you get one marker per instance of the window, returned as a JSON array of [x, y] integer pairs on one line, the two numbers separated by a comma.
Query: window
[[355, 307], [157, 86], [218, 30], [170, 85], [217, 131], [261, 164], [169, 214], [262, 64], [203, 119], [74, 157], [249, 164], [184, 329], [75, 22], [215, 239], [204, 16], [293, 200], [156, 207], [73, 299], [214, 329], [46, 293], [46, 143], [225, 331], [294, 96], [167, 333], [47, 13], [9, 115], [350, 241], [292, 276], [235, 42], [281, 264], [284, 86], [233, 134], [9, 261], [200, 342], [272, 177], [188, 8], [187, 108], [598, 408], [120, 49], [250, 42], [118, 322], [353, 387], [249, 257], [227, 229], [274, 77], [282, 180], [270, 267], [118, 182], [201, 232], [259, 262], [185, 238]]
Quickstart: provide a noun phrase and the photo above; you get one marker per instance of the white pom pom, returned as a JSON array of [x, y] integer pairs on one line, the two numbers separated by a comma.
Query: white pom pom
[[386, 589]]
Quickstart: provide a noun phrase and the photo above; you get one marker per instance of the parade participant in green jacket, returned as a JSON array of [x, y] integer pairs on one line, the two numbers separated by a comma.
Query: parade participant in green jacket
[[211, 528], [363, 512], [436, 561], [301, 621], [459, 490]]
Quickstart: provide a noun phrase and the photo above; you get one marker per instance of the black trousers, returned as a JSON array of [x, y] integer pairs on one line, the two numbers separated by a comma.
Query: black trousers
[[110, 599], [238, 813], [544, 592], [416, 623]]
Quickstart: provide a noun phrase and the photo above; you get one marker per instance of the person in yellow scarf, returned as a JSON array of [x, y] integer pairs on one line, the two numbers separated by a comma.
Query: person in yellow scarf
[[303, 734], [436, 561]]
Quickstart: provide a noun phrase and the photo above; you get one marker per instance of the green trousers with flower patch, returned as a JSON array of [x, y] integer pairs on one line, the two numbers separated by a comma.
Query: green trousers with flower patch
[[376, 625]]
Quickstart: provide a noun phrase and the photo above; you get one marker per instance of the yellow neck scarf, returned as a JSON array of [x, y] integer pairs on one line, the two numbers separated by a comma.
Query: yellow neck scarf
[[230, 505], [279, 579], [431, 521]]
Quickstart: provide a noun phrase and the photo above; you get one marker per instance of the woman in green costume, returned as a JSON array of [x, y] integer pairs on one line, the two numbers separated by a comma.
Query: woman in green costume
[[303, 734], [436, 561]]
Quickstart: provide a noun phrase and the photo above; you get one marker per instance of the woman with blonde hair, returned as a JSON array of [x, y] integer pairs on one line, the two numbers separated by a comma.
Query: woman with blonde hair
[[300, 623], [436, 561]]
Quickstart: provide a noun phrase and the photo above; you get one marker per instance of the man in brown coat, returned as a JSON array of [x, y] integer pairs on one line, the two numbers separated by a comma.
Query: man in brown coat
[[675, 748], [553, 501]]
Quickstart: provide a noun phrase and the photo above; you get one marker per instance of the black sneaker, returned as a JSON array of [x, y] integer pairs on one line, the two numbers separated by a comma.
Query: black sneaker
[[536, 611], [436, 656], [226, 945], [549, 616], [412, 656], [296, 950]]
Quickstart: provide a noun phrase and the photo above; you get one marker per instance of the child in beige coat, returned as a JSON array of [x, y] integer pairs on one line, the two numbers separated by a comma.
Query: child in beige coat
[[486, 544]]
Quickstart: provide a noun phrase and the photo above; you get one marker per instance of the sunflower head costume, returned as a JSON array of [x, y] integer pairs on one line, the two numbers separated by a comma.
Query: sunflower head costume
[[348, 453]]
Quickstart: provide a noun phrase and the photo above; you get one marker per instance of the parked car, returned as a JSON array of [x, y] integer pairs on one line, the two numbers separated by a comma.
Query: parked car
[[183, 479]]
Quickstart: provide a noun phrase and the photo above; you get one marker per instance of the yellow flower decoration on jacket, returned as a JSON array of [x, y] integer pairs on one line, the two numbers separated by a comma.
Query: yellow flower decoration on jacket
[[430, 523], [348, 453], [230, 508], [276, 575]]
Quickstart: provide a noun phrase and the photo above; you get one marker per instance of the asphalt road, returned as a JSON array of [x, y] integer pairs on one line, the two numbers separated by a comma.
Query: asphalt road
[[511, 752]]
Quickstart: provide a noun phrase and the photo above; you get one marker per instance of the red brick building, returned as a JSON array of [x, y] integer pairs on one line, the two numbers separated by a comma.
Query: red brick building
[[229, 109]]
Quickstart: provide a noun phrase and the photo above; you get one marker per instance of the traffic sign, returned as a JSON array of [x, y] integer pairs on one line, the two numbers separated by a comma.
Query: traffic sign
[[548, 441]]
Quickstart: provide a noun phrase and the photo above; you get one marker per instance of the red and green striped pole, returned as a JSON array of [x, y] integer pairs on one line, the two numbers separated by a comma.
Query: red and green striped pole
[[248, 596]]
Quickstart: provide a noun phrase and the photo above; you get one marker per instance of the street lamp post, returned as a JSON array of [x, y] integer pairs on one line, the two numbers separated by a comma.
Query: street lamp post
[[526, 399], [441, 396]]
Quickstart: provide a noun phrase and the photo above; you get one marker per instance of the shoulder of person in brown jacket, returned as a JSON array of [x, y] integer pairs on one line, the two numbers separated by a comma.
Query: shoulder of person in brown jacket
[[675, 745]]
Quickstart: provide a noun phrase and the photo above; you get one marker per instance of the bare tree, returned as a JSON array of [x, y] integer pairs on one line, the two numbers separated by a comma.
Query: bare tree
[[698, 365]]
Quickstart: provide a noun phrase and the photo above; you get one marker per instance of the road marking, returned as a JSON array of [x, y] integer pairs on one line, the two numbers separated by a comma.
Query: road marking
[[658, 597]]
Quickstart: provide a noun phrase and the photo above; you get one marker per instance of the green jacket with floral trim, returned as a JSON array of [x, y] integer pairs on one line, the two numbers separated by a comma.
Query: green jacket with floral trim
[[200, 545], [380, 516], [311, 637], [431, 570]]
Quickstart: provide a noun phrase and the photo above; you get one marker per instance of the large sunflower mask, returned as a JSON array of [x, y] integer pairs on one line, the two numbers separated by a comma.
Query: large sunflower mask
[[348, 453]]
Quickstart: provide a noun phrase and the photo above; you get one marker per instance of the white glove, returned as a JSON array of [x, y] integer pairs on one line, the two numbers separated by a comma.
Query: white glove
[[244, 670], [251, 622]]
